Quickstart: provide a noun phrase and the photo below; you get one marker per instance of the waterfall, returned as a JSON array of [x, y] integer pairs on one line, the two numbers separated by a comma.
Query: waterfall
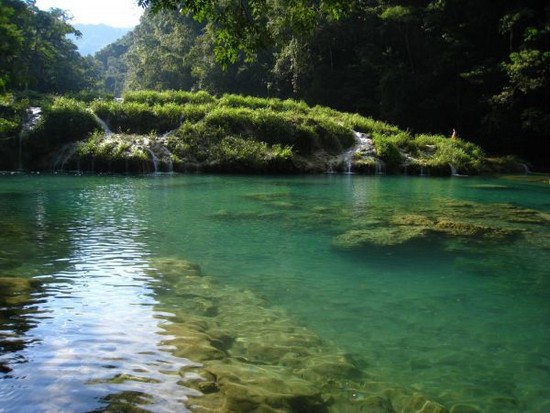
[[363, 148], [103, 125], [20, 157], [526, 170], [454, 171], [63, 156], [379, 166], [154, 159], [348, 161], [34, 113]]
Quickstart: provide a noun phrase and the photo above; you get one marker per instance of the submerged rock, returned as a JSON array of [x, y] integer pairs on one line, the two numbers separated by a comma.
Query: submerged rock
[[16, 290], [250, 357], [379, 236], [471, 230], [252, 388]]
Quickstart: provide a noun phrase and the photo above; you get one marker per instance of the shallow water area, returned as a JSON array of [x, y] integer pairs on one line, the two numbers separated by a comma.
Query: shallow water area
[[433, 286]]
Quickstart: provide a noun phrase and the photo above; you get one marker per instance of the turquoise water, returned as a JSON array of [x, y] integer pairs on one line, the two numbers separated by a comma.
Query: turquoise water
[[461, 319]]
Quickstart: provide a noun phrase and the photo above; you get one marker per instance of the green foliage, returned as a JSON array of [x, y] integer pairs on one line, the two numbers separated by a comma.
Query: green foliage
[[245, 27], [66, 120], [179, 97], [136, 117], [11, 112], [247, 154], [233, 133], [8, 128], [36, 52], [114, 148], [440, 151], [388, 151]]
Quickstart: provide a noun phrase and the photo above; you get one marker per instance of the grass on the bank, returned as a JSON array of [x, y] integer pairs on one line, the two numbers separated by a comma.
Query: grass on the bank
[[244, 130]]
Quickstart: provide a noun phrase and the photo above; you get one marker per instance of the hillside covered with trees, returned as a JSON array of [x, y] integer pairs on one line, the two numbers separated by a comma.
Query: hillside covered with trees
[[480, 67]]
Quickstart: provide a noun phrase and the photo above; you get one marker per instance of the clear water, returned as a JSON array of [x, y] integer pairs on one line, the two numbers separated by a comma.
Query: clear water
[[460, 320]]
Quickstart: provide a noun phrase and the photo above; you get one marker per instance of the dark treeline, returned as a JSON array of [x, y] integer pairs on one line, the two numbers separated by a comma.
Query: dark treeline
[[480, 67]]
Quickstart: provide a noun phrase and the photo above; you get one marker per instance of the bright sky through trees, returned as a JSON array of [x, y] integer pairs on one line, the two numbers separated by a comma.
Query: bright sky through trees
[[116, 13]]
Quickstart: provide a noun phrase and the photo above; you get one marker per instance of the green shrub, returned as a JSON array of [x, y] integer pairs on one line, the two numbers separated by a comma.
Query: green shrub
[[195, 112], [388, 152], [179, 97], [235, 153], [8, 128], [440, 151], [66, 120]]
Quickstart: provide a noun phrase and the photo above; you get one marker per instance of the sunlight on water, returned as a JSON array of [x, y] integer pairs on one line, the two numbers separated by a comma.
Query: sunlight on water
[[93, 333], [436, 286]]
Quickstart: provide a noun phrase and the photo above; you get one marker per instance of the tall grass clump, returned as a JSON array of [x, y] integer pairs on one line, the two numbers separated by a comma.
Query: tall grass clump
[[440, 152], [179, 97], [388, 151], [126, 117], [237, 154], [139, 117], [253, 102]]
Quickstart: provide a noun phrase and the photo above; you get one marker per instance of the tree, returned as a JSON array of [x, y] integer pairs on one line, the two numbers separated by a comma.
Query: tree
[[11, 41], [246, 26], [36, 53]]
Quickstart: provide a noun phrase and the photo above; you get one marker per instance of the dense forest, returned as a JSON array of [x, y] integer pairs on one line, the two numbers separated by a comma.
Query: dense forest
[[428, 66]]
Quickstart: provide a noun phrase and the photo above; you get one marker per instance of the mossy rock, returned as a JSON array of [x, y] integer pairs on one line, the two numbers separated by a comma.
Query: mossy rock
[[418, 404], [252, 388], [411, 220], [378, 236], [329, 367], [174, 267], [471, 230], [16, 290]]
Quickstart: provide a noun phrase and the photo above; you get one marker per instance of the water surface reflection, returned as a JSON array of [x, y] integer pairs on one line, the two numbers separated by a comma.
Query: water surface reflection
[[87, 336]]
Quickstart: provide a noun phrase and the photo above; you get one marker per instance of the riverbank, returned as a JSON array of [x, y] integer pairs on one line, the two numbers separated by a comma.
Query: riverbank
[[187, 132]]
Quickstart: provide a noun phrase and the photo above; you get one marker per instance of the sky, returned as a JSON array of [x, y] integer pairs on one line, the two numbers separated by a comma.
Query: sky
[[116, 13]]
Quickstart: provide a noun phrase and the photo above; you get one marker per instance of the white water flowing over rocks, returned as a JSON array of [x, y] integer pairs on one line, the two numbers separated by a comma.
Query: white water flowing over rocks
[[363, 149]]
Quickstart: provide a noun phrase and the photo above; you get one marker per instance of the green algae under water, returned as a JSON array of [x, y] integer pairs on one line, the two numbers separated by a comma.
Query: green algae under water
[[437, 286]]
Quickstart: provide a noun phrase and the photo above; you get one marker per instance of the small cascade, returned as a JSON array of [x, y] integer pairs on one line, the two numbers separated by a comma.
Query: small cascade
[[526, 170], [63, 156], [154, 160], [20, 156], [348, 161], [363, 148], [103, 125], [34, 113], [380, 167], [423, 171], [454, 171], [160, 154]]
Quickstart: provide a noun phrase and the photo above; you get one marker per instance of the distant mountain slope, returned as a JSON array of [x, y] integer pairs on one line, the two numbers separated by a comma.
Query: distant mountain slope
[[96, 36]]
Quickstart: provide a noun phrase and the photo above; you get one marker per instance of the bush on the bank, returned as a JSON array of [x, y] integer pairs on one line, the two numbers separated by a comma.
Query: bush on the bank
[[66, 120], [12, 111], [439, 151], [139, 117], [388, 151], [237, 153]]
